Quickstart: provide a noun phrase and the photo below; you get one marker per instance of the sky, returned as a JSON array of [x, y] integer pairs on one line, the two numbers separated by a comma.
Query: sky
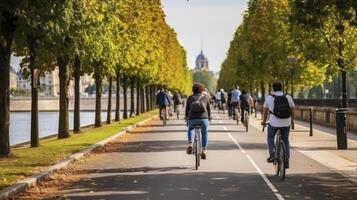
[[212, 21]]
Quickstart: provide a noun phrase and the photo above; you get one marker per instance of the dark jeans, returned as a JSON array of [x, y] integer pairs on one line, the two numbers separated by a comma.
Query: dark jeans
[[233, 107], [284, 136]]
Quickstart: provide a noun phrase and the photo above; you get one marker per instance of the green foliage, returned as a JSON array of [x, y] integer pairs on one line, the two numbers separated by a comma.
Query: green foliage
[[317, 34], [206, 78]]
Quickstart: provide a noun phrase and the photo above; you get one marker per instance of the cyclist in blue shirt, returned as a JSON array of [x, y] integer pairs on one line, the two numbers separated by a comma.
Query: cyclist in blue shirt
[[235, 99], [162, 100]]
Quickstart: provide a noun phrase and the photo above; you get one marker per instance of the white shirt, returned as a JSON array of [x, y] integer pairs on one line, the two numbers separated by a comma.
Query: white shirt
[[218, 96], [235, 95], [274, 121]]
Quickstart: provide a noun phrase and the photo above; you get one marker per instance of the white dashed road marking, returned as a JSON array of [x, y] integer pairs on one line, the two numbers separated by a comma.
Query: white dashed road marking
[[260, 172]]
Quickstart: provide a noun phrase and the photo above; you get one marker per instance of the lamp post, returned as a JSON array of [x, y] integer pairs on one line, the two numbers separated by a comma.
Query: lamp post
[[292, 61]]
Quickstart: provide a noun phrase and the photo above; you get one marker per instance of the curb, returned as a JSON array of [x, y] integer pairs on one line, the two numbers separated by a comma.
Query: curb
[[22, 185]]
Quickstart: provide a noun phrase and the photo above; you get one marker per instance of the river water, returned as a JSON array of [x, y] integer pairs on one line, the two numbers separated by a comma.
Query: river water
[[20, 124]]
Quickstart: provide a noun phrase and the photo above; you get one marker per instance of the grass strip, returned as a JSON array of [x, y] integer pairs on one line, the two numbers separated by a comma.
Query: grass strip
[[28, 161]]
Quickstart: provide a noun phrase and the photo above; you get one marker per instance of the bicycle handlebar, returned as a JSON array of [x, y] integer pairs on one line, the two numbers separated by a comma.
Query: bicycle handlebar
[[265, 126]]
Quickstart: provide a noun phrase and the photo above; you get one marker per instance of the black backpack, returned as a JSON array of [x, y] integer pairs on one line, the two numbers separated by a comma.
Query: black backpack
[[177, 99], [244, 101], [282, 108], [197, 106], [223, 97]]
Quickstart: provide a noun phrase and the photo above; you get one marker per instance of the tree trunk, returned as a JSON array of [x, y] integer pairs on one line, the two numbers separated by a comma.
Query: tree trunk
[[138, 99], [117, 98], [63, 66], [77, 76], [7, 29], [132, 103], [109, 110], [142, 96], [341, 65], [147, 96], [125, 90], [98, 98], [32, 44], [153, 89]]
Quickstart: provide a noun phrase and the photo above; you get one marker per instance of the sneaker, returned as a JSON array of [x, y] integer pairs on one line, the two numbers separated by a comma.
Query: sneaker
[[270, 159], [203, 156], [189, 150], [287, 164]]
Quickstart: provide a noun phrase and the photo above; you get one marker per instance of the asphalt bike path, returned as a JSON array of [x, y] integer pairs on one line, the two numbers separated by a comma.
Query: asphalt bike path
[[154, 165]]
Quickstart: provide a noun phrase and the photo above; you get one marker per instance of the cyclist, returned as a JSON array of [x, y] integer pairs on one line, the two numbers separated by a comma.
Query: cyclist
[[177, 100], [198, 112], [229, 104], [224, 97], [162, 100], [280, 108], [245, 103], [235, 99], [218, 100]]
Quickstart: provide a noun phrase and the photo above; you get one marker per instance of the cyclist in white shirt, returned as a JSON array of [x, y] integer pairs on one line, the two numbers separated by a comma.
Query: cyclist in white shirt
[[281, 120], [235, 99]]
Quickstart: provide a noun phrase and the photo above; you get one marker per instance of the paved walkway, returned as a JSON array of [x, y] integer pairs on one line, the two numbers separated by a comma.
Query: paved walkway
[[151, 164], [322, 147]]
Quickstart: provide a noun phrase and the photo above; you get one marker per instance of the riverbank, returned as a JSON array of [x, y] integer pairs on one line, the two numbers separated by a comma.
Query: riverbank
[[51, 104], [28, 161]]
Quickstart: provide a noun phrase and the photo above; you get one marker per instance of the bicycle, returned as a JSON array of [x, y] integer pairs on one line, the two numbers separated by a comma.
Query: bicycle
[[177, 109], [279, 155], [236, 115], [197, 146], [163, 116], [246, 119]]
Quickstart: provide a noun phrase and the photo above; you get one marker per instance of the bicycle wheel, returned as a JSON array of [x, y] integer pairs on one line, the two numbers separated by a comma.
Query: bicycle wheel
[[236, 115], [164, 117], [246, 124], [282, 159], [178, 112], [246, 121], [197, 151], [277, 156]]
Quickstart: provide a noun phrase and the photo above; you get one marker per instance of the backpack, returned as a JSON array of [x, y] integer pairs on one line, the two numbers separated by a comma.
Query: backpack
[[282, 108], [177, 99], [223, 97], [244, 101], [197, 106]]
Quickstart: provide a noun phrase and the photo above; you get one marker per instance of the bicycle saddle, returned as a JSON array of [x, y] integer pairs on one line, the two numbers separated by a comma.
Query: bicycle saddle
[[197, 126]]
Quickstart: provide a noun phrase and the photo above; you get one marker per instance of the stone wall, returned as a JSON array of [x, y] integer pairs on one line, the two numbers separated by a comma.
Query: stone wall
[[326, 116]]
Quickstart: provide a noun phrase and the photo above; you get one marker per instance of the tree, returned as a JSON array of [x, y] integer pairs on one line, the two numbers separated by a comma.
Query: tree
[[206, 78], [332, 23]]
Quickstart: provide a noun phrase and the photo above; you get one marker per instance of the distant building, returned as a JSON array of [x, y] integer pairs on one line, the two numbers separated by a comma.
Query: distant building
[[13, 79], [49, 83], [23, 83], [201, 62], [86, 80]]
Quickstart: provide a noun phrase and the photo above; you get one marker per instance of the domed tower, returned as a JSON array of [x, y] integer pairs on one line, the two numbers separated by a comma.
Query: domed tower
[[201, 62]]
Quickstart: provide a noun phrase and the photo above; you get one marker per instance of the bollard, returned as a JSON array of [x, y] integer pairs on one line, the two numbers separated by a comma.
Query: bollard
[[310, 115], [341, 128]]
